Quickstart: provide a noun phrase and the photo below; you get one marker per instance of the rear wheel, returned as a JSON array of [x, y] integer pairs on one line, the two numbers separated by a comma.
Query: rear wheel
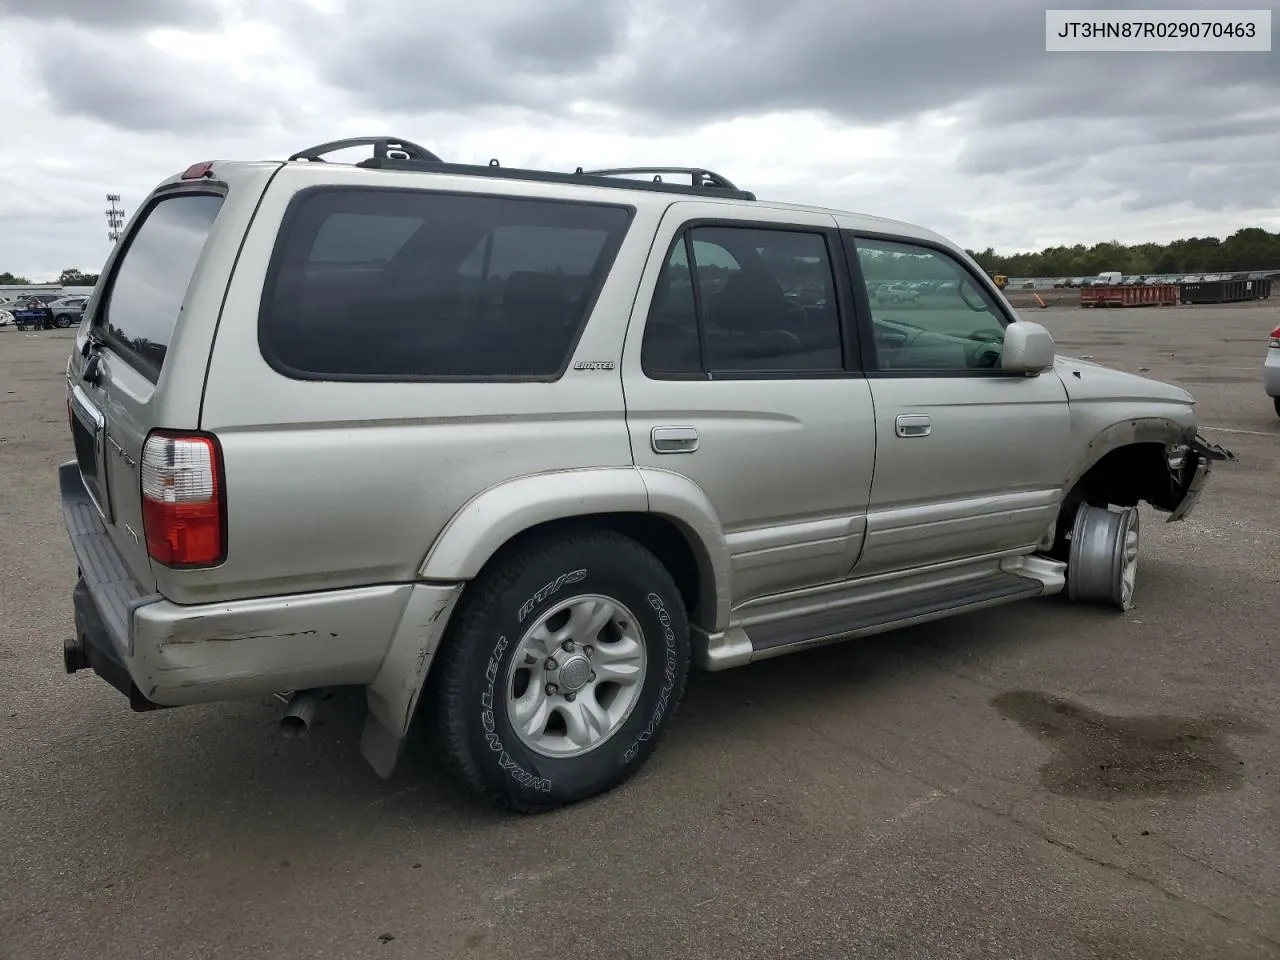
[[562, 667], [1276, 401], [62, 321]]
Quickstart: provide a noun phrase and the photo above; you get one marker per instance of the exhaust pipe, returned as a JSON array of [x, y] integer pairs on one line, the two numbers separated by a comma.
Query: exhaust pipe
[[301, 712], [73, 656]]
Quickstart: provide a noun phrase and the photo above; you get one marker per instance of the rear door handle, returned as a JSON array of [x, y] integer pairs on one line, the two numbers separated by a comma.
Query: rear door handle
[[912, 425], [674, 439]]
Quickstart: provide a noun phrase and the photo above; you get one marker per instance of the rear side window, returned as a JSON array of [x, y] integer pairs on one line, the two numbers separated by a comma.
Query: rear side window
[[736, 301], [408, 285], [150, 282]]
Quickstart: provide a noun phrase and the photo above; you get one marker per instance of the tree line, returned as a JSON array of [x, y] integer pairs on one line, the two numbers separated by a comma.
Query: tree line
[[1251, 248], [70, 277]]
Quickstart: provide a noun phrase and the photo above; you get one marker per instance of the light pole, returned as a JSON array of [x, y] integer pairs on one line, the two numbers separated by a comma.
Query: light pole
[[115, 217]]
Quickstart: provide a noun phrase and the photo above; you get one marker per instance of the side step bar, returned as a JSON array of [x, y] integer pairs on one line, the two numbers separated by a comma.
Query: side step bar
[[886, 613]]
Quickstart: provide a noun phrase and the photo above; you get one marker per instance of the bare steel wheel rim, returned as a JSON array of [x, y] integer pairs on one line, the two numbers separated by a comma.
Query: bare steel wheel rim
[[575, 676], [1129, 560]]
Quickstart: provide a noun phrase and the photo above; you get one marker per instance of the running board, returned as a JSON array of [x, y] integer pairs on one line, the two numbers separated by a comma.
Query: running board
[[887, 613]]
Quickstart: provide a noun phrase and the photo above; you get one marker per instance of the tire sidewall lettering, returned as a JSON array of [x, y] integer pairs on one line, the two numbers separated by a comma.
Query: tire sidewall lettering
[[510, 760], [668, 681], [488, 718], [489, 726], [549, 590]]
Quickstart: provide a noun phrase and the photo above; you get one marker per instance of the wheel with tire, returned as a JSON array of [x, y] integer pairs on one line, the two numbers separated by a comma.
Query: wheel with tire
[[62, 321], [562, 666], [1102, 566], [1276, 402]]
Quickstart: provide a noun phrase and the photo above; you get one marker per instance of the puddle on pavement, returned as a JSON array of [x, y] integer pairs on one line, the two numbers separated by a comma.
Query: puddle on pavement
[[1102, 757]]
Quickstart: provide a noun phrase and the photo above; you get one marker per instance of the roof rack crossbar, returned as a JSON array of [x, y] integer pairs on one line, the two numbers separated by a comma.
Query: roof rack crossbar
[[700, 176], [580, 177], [384, 148]]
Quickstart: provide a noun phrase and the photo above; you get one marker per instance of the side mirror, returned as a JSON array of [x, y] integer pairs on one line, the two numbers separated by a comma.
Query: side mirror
[[1028, 348]]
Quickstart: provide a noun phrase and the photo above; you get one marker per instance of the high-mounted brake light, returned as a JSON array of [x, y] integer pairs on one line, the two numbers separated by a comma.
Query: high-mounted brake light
[[1275, 337], [197, 170], [183, 512]]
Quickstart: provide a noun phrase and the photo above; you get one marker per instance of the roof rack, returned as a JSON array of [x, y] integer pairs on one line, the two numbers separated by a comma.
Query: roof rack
[[697, 175], [584, 178], [396, 153], [384, 148]]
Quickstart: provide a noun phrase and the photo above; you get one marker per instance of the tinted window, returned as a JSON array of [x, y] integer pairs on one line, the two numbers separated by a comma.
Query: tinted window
[[406, 285], [670, 346], [766, 301], [150, 282], [928, 312]]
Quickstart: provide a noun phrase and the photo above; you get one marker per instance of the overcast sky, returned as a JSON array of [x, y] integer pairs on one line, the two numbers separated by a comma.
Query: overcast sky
[[948, 113]]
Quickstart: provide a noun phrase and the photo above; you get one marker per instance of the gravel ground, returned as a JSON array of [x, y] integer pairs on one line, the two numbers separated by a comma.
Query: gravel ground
[[1035, 781]]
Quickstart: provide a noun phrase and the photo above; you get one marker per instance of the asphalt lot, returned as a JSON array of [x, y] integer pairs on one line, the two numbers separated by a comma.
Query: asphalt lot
[[1035, 781]]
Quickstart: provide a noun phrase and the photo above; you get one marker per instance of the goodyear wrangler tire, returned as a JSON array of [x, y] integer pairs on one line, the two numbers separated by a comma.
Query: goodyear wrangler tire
[[563, 666]]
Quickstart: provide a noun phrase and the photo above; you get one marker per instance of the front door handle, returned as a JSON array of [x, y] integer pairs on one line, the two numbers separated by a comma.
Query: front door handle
[[674, 439], [912, 425]]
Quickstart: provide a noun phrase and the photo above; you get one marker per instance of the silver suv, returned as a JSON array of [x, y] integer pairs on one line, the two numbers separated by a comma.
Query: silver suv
[[511, 449]]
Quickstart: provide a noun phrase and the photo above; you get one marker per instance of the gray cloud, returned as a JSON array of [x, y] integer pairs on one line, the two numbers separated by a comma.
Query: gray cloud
[[556, 37], [669, 65], [111, 13], [689, 63], [404, 56], [123, 82]]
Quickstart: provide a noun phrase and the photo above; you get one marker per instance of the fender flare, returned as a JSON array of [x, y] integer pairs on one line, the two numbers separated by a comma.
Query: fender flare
[[678, 499], [1162, 430], [494, 516]]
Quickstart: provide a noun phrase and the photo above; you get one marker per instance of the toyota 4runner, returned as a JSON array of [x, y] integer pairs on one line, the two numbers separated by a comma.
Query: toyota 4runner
[[511, 449]]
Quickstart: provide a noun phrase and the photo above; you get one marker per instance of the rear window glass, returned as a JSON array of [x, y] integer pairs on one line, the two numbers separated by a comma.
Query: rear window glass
[[394, 284], [150, 282]]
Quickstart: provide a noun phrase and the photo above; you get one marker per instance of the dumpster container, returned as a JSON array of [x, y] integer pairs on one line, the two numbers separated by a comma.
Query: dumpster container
[[1226, 291]]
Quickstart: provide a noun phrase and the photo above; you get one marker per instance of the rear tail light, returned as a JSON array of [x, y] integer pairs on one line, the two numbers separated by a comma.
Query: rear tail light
[[1275, 337], [183, 506]]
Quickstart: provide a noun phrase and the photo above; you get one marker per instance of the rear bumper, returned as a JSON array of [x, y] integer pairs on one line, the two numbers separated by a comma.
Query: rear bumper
[[160, 653], [93, 648]]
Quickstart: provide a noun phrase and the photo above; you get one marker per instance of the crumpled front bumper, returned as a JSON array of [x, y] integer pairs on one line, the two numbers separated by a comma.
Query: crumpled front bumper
[[1199, 457]]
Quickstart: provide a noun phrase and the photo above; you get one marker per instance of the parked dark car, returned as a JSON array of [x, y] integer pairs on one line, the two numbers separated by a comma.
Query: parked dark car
[[68, 311]]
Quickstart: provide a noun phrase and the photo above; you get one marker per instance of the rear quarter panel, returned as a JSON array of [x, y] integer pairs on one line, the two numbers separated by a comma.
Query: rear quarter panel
[[334, 484]]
